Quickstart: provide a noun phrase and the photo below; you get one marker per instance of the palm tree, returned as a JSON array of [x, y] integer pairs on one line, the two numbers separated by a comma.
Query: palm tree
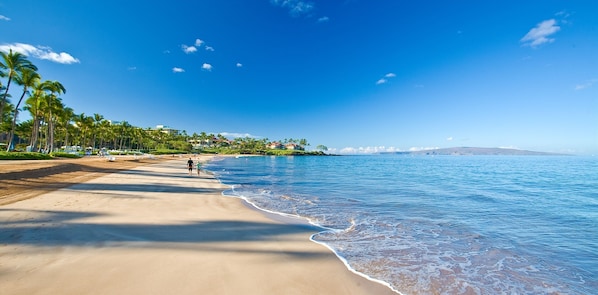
[[32, 104], [85, 125], [65, 117], [51, 109], [5, 123], [54, 87], [97, 119], [28, 78], [104, 132], [13, 63]]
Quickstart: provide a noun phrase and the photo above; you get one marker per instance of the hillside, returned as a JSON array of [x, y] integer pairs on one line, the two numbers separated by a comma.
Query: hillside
[[474, 151]]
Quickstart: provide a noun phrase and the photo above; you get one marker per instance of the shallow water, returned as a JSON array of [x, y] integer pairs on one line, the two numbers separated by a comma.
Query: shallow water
[[444, 224]]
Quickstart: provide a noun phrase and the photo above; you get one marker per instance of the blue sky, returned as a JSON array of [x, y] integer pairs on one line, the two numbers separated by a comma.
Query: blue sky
[[354, 75]]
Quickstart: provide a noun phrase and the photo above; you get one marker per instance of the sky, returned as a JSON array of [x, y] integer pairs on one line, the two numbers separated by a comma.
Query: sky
[[355, 76]]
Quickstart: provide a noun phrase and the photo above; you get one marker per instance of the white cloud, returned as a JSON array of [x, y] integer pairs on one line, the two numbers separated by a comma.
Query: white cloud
[[363, 150], [41, 52], [2, 17], [188, 49], [539, 34], [239, 65], [416, 149], [209, 48], [323, 19], [295, 7], [207, 67], [198, 42], [385, 79], [450, 138], [587, 84], [177, 70]]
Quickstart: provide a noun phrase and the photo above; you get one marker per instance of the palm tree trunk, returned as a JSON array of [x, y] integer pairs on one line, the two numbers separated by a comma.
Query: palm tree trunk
[[3, 101]]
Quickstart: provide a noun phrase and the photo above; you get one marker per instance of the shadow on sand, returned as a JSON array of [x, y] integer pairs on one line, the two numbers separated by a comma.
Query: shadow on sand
[[60, 228]]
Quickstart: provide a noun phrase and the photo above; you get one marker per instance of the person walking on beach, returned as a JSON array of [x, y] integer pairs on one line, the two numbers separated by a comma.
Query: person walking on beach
[[190, 166], [198, 167]]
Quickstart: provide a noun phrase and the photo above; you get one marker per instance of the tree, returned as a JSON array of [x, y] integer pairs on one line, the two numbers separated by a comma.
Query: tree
[[32, 104], [85, 125], [29, 79], [65, 118], [11, 65], [52, 103], [97, 120]]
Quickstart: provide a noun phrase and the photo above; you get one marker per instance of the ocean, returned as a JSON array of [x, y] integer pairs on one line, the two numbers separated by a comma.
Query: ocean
[[440, 224]]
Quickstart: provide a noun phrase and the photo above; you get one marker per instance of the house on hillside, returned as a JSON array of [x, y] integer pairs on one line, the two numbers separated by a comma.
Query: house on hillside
[[167, 130], [293, 147], [275, 145]]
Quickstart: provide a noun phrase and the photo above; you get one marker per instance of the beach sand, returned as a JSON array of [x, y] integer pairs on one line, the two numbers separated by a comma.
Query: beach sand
[[153, 229]]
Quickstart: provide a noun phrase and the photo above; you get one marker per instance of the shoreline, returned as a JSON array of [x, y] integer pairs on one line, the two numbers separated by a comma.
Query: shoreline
[[302, 221], [151, 227]]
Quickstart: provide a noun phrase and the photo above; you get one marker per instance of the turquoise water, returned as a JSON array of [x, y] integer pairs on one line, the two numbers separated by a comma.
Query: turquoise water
[[444, 224]]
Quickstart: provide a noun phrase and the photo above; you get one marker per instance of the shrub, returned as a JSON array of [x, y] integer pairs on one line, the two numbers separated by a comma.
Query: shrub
[[24, 156], [65, 155]]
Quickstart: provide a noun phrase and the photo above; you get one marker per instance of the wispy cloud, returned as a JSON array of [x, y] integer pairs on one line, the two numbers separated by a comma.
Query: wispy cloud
[[188, 49], [239, 65], [207, 67], [586, 84], [2, 17], [323, 19], [381, 81], [363, 150], [40, 52], [133, 68], [177, 70], [385, 79], [540, 34], [417, 149], [295, 7]]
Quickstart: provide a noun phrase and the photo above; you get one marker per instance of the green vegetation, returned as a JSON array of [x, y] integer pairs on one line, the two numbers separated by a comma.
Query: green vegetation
[[55, 130], [64, 155], [23, 156]]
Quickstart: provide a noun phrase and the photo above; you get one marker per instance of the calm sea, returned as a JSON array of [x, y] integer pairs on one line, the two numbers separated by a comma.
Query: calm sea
[[443, 224]]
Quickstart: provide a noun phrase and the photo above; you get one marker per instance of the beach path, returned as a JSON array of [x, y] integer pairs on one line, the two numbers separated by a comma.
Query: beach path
[[156, 230]]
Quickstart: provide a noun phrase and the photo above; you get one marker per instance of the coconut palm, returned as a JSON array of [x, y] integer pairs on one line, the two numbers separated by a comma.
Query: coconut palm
[[55, 88], [32, 104], [85, 125], [51, 109], [29, 79], [97, 119], [11, 64], [65, 117]]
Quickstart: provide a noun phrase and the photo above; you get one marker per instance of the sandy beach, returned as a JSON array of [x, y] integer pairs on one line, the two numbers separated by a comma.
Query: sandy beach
[[149, 228]]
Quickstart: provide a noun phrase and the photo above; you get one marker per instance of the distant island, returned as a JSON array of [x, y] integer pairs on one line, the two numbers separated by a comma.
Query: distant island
[[474, 151]]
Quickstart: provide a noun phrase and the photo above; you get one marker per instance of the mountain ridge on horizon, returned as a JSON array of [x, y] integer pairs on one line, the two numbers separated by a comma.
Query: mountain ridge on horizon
[[474, 151]]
